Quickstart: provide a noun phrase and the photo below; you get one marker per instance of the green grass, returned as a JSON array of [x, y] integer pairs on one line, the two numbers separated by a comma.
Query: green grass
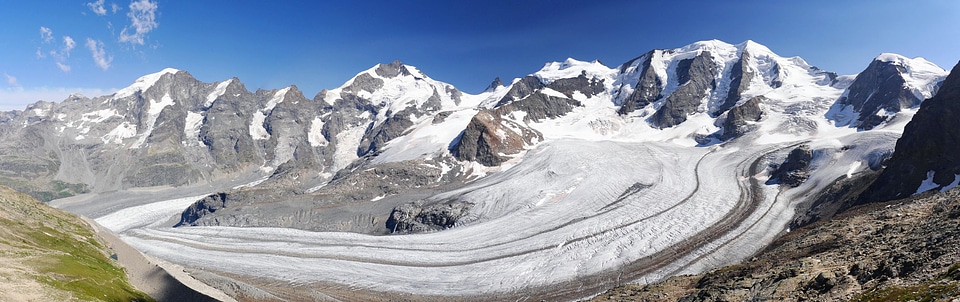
[[78, 265], [63, 252]]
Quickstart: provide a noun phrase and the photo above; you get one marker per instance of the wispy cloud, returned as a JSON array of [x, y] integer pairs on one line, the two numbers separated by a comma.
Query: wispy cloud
[[63, 67], [99, 54], [143, 20], [114, 8], [11, 80], [97, 8], [46, 34], [68, 45]]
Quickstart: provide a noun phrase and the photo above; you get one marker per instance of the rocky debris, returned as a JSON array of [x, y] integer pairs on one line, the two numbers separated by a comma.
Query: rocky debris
[[930, 144], [793, 170], [647, 89], [416, 217], [896, 251], [738, 118], [696, 78]]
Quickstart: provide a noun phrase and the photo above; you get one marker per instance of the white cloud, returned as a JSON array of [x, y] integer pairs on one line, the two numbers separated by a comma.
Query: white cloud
[[46, 34], [143, 19], [18, 98], [99, 54], [40, 54], [68, 45], [11, 80], [114, 8], [97, 8], [63, 67]]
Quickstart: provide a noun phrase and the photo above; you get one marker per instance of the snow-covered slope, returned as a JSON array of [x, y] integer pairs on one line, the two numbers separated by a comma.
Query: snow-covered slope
[[564, 182]]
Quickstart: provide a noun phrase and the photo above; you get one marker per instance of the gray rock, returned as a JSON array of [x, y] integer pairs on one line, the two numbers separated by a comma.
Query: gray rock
[[930, 143], [793, 171], [740, 77], [735, 124], [880, 86], [415, 217], [696, 77], [648, 87]]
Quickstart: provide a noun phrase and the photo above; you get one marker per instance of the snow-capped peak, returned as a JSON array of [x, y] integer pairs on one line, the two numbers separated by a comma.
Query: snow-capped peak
[[572, 68], [920, 75], [143, 83]]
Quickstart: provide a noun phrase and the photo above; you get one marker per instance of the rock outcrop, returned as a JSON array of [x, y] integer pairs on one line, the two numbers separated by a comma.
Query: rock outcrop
[[738, 119], [696, 78], [793, 171], [928, 150], [879, 91], [415, 217]]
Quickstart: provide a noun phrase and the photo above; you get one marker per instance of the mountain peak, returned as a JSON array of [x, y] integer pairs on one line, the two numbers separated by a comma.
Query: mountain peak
[[571, 68], [144, 82]]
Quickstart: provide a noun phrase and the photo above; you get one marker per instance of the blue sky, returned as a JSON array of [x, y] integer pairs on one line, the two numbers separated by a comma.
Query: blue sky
[[49, 49]]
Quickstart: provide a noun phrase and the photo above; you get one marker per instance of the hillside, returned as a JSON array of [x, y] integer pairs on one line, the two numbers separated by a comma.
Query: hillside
[[49, 255]]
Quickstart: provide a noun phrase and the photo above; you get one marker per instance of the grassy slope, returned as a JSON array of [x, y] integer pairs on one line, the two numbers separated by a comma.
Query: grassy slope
[[58, 252]]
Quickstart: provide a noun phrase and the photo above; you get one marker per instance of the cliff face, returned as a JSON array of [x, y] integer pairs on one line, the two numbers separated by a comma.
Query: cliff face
[[927, 156]]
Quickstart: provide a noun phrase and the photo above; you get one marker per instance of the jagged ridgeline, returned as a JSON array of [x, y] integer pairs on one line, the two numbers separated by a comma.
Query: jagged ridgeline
[[676, 161]]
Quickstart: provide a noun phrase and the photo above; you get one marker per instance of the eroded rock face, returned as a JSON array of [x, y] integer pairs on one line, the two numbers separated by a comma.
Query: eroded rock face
[[489, 137], [793, 170], [415, 217], [930, 145], [879, 87], [737, 120], [739, 82], [696, 78], [648, 88]]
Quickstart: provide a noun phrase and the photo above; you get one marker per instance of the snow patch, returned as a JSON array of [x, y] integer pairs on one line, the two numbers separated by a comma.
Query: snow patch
[[192, 125], [927, 183], [122, 131], [143, 83], [315, 136], [217, 92], [153, 111]]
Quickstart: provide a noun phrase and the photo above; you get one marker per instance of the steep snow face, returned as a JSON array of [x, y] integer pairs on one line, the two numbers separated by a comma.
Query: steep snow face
[[153, 112], [143, 83], [571, 68], [217, 92], [257, 130]]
